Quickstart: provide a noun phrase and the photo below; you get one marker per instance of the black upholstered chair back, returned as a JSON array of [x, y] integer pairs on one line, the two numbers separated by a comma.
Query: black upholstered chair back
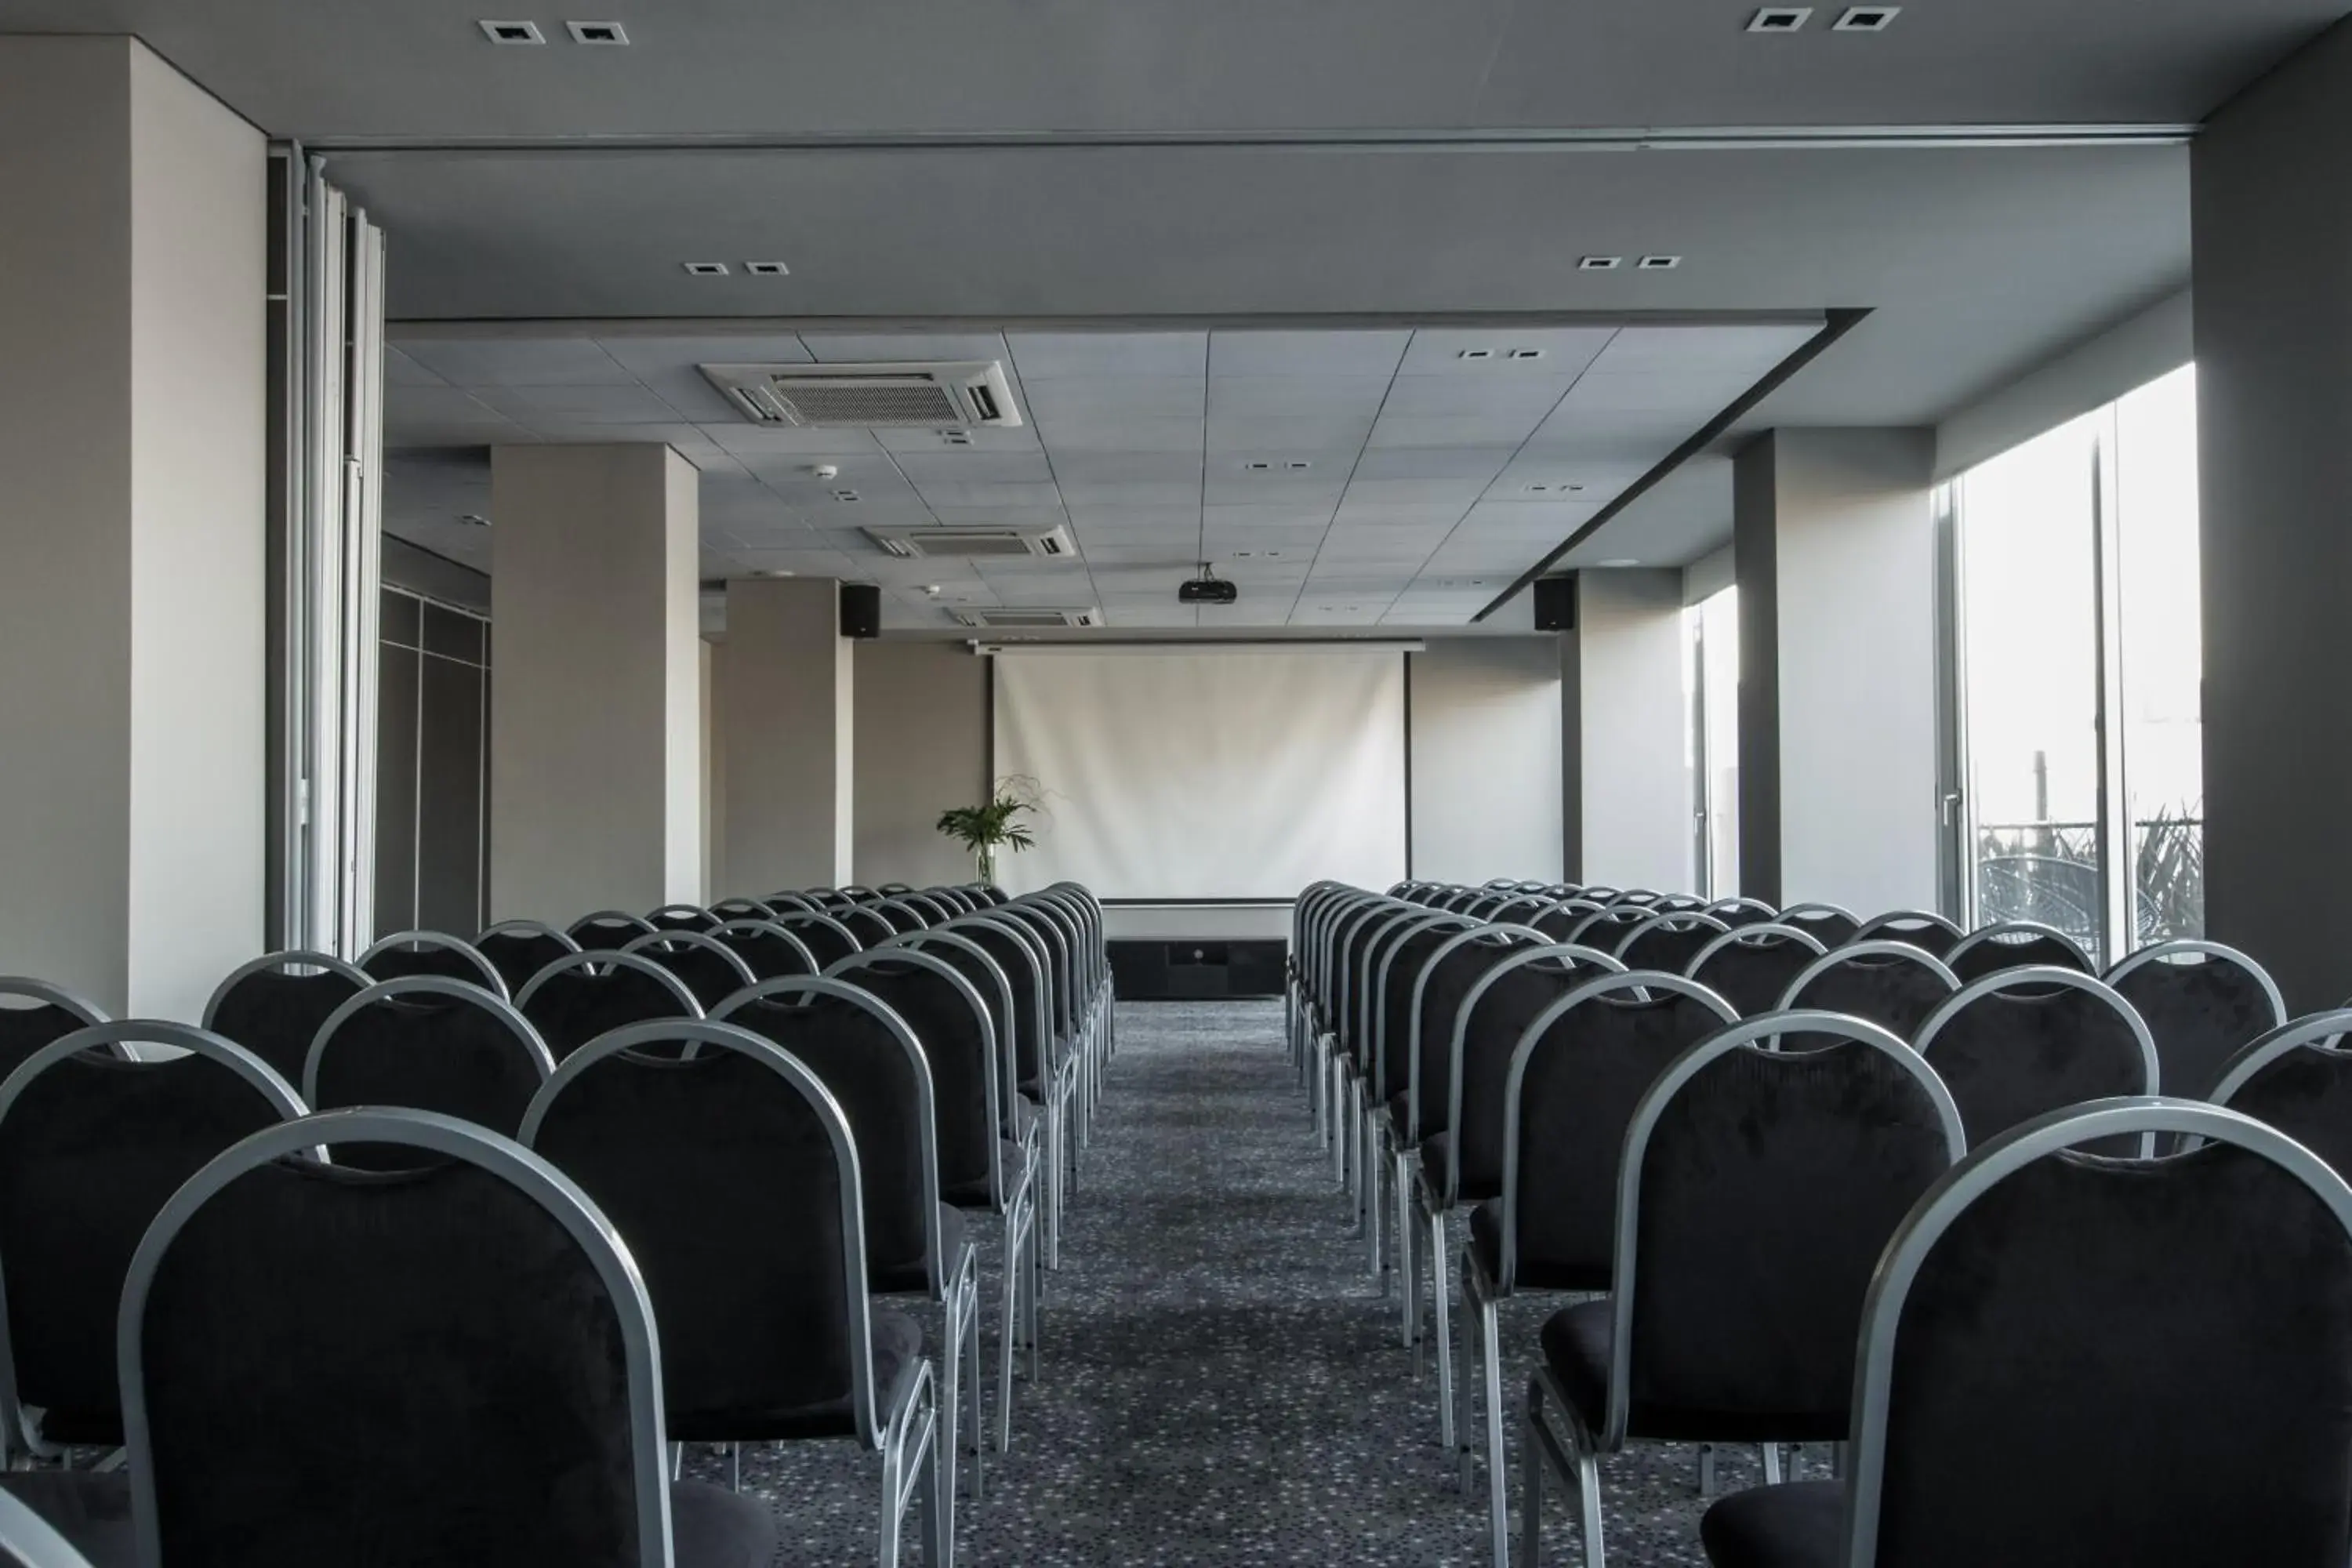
[[92, 1144], [951, 1024], [2021, 1042], [2204, 1003], [1401, 993], [2297, 1079], [1606, 927], [521, 949], [1930, 932], [34, 1012], [427, 1044], [996, 987], [1372, 974], [1056, 941], [2016, 944], [1755, 1192], [902, 914], [743, 909], [1576, 1074], [608, 930], [583, 994], [709, 968], [1501, 1004], [450, 1363], [1445, 982], [762, 1317], [828, 940], [767, 948], [869, 1060], [1829, 925], [1891, 984], [273, 1007], [1668, 941], [1555, 920], [1736, 912], [1356, 932], [682, 917], [431, 952], [28, 1541], [1015, 951], [2055, 1340], [869, 925], [1752, 966]]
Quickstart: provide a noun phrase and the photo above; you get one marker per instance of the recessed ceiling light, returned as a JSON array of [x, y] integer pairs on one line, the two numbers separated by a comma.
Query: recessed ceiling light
[[473, 520], [844, 495], [1866, 19], [1780, 18], [1524, 353], [512, 33], [767, 269], [774, 572], [706, 268], [1599, 263], [1621, 561], [605, 33], [1660, 263], [1466, 354]]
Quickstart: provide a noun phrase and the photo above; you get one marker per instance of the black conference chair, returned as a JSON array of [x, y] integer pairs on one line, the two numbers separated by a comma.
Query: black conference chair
[[2014, 944], [1042, 1084], [902, 915], [34, 1011], [2298, 1079], [427, 1044], [1831, 925], [411, 952], [455, 1365], [1668, 940], [1752, 966], [608, 931], [1930, 932], [2022, 1042], [521, 949], [1891, 984], [709, 968], [583, 994], [869, 925], [683, 917], [28, 1541], [1610, 926], [742, 909], [1575, 1075], [767, 948], [828, 941], [1558, 920], [1755, 1192], [1736, 912], [1392, 1007], [273, 1007], [2052, 1343], [767, 1334], [92, 1144], [2203, 1001]]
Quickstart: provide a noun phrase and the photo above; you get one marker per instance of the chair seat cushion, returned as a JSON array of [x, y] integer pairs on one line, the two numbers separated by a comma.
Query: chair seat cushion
[[910, 1274], [975, 1194], [712, 1528], [897, 1353], [1575, 1347], [1024, 1118], [1799, 1525], [1535, 1273], [91, 1509]]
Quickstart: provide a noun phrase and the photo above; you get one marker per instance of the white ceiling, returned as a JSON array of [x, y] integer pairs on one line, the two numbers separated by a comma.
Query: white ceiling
[[1431, 480]]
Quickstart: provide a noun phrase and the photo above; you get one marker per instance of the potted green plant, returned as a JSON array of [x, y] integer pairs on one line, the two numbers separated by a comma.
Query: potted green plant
[[1000, 823]]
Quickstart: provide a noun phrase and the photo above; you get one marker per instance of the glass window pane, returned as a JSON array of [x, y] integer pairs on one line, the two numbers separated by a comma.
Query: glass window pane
[[2163, 655], [2030, 681]]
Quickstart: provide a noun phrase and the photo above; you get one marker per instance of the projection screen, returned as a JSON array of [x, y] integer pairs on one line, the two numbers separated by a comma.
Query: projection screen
[[1175, 773]]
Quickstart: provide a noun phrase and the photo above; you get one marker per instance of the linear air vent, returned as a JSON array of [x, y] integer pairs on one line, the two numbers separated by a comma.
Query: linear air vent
[[1027, 618], [974, 543], [869, 396]]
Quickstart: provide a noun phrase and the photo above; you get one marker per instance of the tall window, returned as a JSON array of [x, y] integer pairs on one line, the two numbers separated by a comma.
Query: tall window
[[2079, 676], [1711, 676]]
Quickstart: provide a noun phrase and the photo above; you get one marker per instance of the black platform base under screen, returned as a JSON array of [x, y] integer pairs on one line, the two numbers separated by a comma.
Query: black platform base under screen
[[1196, 971]]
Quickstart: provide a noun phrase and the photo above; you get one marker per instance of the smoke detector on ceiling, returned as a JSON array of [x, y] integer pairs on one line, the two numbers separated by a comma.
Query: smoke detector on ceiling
[[973, 393]]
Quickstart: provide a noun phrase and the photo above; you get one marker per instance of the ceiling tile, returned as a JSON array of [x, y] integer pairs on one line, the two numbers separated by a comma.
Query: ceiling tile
[[1435, 462], [992, 438], [1273, 514], [1524, 519], [1247, 351], [882, 348], [1293, 433], [1500, 397], [1561, 350], [399, 370], [1110, 354], [1040, 497], [1111, 433], [1356, 512], [1757, 346], [756, 441], [969, 467], [630, 405], [1452, 430], [1052, 400], [999, 516], [515, 362]]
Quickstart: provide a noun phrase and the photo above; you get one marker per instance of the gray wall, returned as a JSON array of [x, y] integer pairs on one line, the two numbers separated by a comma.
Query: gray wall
[[1631, 748], [785, 713], [2272, 223], [1486, 717], [133, 670], [921, 747]]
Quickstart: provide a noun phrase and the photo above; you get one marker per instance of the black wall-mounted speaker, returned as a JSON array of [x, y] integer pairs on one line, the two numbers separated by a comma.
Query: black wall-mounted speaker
[[861, 610], [1556, 604]]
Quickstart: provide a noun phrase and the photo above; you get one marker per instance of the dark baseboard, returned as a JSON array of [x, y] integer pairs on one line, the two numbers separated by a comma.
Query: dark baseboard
[[1197, 971]]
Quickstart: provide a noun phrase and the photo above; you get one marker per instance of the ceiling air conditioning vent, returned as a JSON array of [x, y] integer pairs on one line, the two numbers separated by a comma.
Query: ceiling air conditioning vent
[[975, 543], [972, 393], [1027, 619]]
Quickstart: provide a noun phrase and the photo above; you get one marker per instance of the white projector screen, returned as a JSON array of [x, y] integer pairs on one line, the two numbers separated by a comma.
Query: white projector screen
[[1174, 774]]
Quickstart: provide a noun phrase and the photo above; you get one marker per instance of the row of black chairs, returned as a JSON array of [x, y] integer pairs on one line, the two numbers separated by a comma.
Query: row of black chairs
[[872, 1106], [1556, 1056]]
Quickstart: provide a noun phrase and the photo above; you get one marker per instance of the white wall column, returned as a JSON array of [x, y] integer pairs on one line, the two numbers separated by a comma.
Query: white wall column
[[1834, 550], [1625, 732], [788, 717], [133, 666], [1484, 715], [596, 795]]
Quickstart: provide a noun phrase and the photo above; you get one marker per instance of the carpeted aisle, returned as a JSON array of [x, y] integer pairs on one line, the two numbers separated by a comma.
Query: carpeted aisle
[[1223, 1381]]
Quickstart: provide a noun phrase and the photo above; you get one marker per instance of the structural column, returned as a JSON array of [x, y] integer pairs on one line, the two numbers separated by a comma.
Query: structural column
[[1834, 549], [2272, 222], [132, 663], [787, 716], [596, 797], [1624, 734]]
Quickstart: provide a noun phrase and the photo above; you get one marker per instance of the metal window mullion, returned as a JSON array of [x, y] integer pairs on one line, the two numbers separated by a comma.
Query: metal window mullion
[[323, 515], [362, 545], [2116, 856], [1954, 865]]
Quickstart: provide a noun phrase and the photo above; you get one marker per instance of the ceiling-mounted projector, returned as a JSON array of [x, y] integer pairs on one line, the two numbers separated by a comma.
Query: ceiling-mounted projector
[[1208, 588]]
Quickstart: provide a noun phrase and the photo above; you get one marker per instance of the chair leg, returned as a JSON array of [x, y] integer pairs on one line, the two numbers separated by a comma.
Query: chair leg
[[1053, 1217], [886, 1554], [1772, 1463], [938, 1506], [1531, 1471], [1375, 1204], [735, 1467], [1490, 1350], [1017, 1266], [1588, 1490], [1408, 1249], [1441, 1297], [1707, 1472]]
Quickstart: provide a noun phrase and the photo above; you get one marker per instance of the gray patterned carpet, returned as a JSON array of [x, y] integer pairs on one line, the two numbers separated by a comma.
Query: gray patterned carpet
[[1222, 1380]]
